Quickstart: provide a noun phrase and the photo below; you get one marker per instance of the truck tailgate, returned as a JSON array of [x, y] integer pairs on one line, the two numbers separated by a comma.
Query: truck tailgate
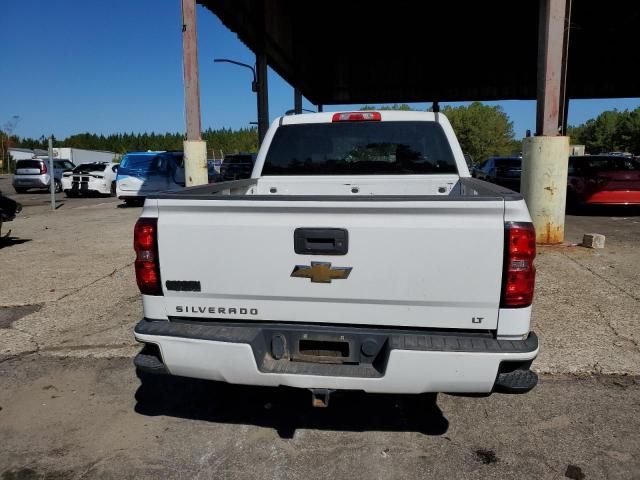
[[418, 263]]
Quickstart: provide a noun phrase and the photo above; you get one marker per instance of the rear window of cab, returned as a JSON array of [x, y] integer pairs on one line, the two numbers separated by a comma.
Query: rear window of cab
[[360, 148], [28, 164]]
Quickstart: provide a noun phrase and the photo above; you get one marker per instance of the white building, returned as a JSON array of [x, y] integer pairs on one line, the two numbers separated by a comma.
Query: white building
[[75, 155], [25, 153], [80, 155]]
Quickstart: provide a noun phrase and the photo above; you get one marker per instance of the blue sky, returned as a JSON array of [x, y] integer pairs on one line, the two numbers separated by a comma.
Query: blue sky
[[115, 66]]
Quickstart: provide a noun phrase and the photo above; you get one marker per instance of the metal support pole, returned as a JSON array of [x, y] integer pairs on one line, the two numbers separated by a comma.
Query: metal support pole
[[551, 54], [263, 96], [52, 175], [195, 150], [545, 157], [564, 119], [564, 97], [297, 101]]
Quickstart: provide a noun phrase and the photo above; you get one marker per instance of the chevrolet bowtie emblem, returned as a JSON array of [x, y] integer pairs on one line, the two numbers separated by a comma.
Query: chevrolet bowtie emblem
[[321, 272]]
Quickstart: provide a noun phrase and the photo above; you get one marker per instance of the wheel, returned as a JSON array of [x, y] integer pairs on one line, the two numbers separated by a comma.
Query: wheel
[[70, 194], [134, 202], [57, 186], [574, 205], [20, 189], [113, 189]]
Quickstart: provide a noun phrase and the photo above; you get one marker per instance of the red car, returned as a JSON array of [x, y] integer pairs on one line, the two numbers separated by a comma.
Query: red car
[[603, 180]]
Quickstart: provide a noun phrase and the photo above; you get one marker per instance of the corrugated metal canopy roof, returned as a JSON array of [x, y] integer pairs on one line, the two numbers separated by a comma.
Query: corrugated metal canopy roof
[[340, 52]]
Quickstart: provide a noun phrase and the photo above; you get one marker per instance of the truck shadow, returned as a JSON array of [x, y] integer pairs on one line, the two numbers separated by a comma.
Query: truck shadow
[[9, 241], [288, 409]]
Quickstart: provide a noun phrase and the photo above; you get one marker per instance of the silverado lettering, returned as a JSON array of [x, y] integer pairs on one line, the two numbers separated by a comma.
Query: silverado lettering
[[216, 310]]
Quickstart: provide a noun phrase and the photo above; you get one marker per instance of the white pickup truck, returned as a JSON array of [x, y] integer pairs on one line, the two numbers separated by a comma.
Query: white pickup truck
[[360, 255]]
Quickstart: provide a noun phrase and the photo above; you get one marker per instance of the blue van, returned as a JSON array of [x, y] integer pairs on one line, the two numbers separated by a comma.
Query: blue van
[[143, 173]]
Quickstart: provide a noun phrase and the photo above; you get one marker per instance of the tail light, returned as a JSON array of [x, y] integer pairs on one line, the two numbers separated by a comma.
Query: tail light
[[519, 272], [43, 168], [356, 117], [145, 243]]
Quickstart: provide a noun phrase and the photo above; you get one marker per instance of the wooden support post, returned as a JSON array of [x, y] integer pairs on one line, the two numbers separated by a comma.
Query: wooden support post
[[195, 150]]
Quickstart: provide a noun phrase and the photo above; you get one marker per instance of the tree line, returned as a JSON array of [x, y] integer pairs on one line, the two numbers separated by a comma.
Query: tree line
[[482, 130], [611, 131], [223, 140]]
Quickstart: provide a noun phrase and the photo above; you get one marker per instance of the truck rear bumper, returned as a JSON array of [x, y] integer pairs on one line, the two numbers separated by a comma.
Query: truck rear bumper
[[370, 359]]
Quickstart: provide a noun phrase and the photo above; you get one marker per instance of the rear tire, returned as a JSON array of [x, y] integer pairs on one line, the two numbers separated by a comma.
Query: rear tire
[[70, 194], [134, 202], [57, 186], [574, 206], [112, 193]]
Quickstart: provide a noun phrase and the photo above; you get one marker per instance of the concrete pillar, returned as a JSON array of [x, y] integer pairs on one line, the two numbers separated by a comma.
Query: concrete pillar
[[544, 184], [195, 149]]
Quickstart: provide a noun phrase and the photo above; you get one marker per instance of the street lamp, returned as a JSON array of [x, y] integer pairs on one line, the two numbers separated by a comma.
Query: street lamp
[[254, 84], [258, 86], [292, 112]]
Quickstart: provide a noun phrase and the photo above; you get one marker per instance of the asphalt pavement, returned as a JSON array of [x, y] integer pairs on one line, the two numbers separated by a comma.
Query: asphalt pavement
[[71, 406]]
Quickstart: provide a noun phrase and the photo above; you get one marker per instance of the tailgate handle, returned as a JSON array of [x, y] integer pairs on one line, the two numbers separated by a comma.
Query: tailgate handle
[[321, 241]]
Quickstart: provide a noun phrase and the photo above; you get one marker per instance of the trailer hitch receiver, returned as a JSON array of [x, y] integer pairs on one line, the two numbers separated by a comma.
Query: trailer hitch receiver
[[320, 397]]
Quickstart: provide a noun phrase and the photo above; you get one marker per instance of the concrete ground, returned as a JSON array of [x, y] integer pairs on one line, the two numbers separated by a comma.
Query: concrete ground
[[71, 407]]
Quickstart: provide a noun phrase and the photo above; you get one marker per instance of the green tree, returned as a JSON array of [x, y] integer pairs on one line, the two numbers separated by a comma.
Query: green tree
[[610, 131], [227, 140], [4, 152], [482, 130], [395, 106]]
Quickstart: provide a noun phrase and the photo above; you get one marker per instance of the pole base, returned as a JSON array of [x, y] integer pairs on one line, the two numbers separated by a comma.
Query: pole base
[[544, 185], [195, 163]]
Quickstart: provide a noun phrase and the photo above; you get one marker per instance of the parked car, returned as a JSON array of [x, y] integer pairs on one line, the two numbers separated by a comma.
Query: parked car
[[603, 180], [142, 173], [213, 171], [503, 171], [237, 166], [91, 178], [34, 173], [9, 208]]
